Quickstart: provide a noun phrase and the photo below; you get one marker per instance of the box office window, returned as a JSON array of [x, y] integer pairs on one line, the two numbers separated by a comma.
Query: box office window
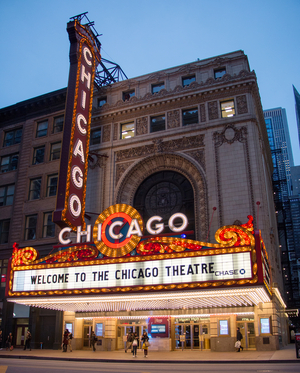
[[157, 87], [35, 188], [9, 162], [227, 109], [7, 195], [55, 151], [186, 81], [128, 94], [4, 230], [12, 137], [48, 225], [52, 185], [95, 136], [158, 123], [42, 129], [58, 124], [127, 130], [190, 116], [30, 227], [38, 155], [223, 327]]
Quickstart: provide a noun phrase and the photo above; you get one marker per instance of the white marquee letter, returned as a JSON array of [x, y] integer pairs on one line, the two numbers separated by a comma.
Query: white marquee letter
[[80, 118], [87, 51], [75, 211], [86, 233], [134, 228], [77, 177], [85, 76], [184, 222], [158, 227], [61, 236], [78, 150], [111, 230]]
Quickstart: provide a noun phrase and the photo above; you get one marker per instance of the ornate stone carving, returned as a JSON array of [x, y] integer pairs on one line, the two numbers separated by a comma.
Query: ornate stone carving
[[166, 146], [120, 169], [213, 110], [97, 160], [106, 133], [141, 126], [242, 107], [202, 113], [173, 119], [158, 146], [116, 131], [230, 134], [199, 156]]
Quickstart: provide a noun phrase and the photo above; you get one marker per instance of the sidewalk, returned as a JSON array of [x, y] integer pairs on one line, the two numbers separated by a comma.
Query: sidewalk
[[286, 355]]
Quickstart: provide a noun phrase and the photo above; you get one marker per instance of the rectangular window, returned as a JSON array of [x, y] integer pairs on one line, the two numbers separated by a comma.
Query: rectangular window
[[48, 226], [127, 130], [95, 136], [3, 273], [265, 327], [38, 155], [128, 94], [58, 124], [157, 87], [219, 73], [7, 195], [158, 123], [30, 227], [35, 188], [9, 162], [55, 151], [4, 230], [12, 137], [42, 129], [223, 327], [227, 109], [99, 330], [186, 81], [102, 101], [189, 116], [52, 185]]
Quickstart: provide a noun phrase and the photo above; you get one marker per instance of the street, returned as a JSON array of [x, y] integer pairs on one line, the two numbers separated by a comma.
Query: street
[[46, 366]]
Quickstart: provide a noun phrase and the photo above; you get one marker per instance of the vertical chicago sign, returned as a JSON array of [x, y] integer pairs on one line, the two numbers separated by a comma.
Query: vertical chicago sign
[[84, 58]]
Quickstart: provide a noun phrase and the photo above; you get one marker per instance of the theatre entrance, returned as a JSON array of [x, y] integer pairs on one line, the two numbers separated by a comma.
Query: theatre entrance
[[192, 334], [248, 333], [130, 326]]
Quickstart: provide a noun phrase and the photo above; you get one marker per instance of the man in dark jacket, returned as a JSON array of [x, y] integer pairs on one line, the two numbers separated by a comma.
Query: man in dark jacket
[[239, 338]]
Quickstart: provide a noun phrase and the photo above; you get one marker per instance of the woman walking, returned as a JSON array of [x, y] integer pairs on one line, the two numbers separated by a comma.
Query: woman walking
[[145, 343]]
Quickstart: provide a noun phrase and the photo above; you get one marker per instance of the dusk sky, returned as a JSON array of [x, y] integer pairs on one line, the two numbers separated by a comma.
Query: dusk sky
[[144, 36]]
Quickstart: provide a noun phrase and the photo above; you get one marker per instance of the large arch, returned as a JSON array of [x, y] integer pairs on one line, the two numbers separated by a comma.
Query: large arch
[[188, 167]]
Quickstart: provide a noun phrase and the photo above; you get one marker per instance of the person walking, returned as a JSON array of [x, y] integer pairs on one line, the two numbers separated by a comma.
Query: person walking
[[239, 338], [70, 341], [9, 344], [129, 342], [145, 343], [93, 340], [135, 344], [65, 340], [28, 340]]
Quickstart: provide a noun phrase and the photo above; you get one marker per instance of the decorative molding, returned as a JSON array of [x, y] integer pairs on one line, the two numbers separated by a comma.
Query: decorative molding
[[202, 113], [161, 146], [199, 156], [230, 134], [142, 126], [116, 131], [213, 110], [106, 133], [173, 119], [241, 102], [120, 169]]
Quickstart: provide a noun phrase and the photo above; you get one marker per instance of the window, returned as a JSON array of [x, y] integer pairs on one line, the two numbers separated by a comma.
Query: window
[[48, 225], [38, 155], [189, 116], [7, 195], [127, 130], [128, 94], [227, 109], [95, 136], [52, 185], [58, 124], [158, 123], [157, 87], [102, 101], [3, 271], [9, 162], [42, 128], [55, 151], [35, 188], [13, 137], [30, 227], [219, 73], [188, 80], [4, 230]]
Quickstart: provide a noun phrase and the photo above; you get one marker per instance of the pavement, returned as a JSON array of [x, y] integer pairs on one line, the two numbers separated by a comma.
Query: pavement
[[285, 355]]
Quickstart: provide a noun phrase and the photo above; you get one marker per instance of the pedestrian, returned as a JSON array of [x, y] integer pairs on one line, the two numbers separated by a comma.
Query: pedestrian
[[70, 341], [9, 344], [129, 341], [65, 340], [28, 340], [0, 339], [145, 343], [93, 340], [135, 344], [239, 338]]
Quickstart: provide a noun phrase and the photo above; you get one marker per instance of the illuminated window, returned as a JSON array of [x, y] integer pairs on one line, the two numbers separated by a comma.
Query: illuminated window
[[7, 195], [95, 136], [219, 73], [4, 230], [127, 130], [128, 94], [223, 327], [227, 109], [157, 87], [38, 155], [55, 151], [30, 227], [52, 185], [189, 116], [102, 101], [3, 272], [58, 124], [9, 162], [265, 325], [158, 123], [48, 225], [12, 137], [186, 81], [42, 129], [35, 188]]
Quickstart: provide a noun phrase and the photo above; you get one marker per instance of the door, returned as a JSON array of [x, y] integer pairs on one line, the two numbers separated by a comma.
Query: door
[[248, 333], [21, 333], [87, 331]]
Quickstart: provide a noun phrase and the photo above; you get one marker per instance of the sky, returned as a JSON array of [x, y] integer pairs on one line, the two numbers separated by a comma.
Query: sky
[[144, 36]]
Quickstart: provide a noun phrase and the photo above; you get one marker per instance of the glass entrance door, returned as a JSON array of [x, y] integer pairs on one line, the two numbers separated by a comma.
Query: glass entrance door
[[248, 333], [196, 336]]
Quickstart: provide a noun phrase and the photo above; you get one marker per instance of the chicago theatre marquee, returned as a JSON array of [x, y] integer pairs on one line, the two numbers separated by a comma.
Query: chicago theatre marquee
[[165, 211]]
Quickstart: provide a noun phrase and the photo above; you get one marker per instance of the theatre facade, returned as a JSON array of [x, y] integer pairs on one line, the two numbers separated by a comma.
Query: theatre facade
[[178, 233]]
